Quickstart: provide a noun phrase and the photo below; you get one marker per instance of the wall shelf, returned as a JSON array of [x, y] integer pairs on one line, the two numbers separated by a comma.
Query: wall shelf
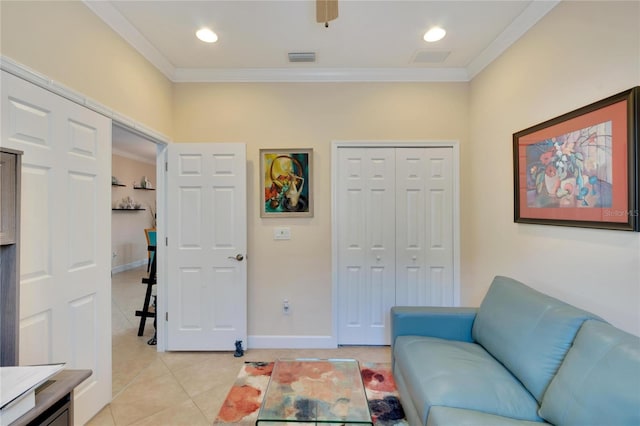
[[142, 187], [127, 210], [118, 184]]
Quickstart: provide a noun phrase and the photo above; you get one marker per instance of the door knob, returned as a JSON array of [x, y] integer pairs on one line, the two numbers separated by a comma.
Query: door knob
[[237, 257]]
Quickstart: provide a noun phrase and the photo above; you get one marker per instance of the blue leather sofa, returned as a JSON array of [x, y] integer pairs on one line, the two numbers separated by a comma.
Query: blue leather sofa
[[521, 358]]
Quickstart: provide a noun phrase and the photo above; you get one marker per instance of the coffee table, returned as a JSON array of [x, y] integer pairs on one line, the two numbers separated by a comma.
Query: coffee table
[[315, 391]]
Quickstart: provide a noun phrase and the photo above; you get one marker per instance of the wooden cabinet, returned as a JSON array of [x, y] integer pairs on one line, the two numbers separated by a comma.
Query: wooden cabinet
[[10, 169], [9, 162], [54, 400]]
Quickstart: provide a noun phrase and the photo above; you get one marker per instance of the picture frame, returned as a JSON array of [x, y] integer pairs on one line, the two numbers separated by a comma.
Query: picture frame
[[286, 182], [581, 169]]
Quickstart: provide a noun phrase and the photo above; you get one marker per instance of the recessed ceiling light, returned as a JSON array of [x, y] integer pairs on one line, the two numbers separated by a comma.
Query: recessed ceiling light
[[434, 34], [206, 35]]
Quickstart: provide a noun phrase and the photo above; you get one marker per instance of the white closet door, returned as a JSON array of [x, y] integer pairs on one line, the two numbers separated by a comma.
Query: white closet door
[[65, 285], [366, 244], [424, 227], [394, 212]]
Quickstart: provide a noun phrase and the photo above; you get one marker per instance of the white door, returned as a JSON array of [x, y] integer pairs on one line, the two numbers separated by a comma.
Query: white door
[[424, 227], [366, 244], [206, 246], [394, 210], [65, 293]]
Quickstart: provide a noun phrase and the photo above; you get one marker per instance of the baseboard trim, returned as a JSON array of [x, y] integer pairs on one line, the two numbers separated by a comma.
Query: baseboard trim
[[292, 342], [126, 267]]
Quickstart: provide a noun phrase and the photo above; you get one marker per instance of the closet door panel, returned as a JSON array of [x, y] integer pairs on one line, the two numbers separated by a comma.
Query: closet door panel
[[366, 244], [411, 210], [439, 229], [394, 210]]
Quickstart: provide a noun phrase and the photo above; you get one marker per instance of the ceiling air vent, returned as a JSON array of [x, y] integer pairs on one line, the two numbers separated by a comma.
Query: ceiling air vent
[[302, 57], [430, 56]]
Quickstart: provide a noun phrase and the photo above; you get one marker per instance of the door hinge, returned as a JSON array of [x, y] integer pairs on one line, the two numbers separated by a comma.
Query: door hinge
[[166, 166], [166, 316], [166, 241]]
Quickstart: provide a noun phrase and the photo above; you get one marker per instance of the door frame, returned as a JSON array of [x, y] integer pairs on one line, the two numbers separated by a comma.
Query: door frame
[[335, 146], [22, 71], [161, 249]]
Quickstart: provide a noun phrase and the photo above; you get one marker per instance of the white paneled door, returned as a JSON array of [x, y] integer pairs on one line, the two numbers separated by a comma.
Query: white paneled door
[[394, 210], [65, 293], [206, 246], [424, 227], [366, 207]]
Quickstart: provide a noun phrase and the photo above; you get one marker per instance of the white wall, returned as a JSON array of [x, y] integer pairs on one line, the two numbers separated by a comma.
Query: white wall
[[128, 240], [308, 115], [69, 44], [579, 53]]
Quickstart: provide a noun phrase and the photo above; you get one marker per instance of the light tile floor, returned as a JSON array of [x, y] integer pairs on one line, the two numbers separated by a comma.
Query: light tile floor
[[179, 388]]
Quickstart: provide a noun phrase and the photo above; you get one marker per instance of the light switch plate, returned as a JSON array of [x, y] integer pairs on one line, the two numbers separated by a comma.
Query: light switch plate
[[281, 233]]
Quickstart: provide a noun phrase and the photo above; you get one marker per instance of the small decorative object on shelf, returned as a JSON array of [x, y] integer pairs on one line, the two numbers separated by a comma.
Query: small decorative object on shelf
[[116, 182], [144, 184], [128, 203]]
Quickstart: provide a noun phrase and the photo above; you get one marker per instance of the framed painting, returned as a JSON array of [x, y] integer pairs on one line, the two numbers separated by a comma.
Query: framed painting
[[581, 169], [286, 178]]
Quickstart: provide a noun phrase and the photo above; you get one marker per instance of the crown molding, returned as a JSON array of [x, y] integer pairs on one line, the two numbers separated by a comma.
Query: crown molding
[[523, 23], [305, 75], [114, 19], [121, 153]]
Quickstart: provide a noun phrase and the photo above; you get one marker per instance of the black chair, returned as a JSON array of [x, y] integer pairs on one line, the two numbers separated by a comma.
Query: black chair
[[146, 312]]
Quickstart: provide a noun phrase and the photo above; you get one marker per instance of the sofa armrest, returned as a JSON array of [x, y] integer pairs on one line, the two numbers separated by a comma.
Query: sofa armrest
[[444, 322]]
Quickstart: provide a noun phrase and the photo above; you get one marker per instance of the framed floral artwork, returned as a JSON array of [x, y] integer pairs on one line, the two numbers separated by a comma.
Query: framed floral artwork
[[286, 177], [581, 169]]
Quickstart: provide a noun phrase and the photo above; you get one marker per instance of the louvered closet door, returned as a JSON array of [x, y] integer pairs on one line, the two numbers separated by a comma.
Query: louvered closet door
[[395, 236]]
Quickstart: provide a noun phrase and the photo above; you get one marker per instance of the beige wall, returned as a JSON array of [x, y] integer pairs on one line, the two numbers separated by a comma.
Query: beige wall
[[68, 43], [128, 240], [580, 53], [309, 116]]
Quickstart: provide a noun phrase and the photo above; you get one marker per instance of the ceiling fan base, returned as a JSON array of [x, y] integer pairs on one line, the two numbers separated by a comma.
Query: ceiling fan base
[[326, 10]]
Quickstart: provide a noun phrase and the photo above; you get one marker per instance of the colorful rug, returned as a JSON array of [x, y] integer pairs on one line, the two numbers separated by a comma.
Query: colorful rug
[[245, 397]]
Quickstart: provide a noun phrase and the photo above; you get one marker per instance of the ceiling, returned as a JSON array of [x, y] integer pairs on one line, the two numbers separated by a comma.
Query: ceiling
[[371, 40], [126, 143]]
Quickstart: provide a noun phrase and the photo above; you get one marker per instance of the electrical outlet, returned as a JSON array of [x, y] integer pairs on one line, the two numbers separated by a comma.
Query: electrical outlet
[[113, 255], [286, 309]]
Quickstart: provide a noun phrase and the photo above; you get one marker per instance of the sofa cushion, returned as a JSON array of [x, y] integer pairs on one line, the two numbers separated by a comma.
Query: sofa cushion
[[447, 416], [459, 374], [599, 381], [529, 332]]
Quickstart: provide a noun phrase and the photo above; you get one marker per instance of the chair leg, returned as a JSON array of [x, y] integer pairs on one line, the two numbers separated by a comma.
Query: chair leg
[[154, 339], [145, 310]]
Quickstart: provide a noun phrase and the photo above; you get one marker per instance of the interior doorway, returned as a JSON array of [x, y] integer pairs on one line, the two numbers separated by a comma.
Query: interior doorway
[[133, 198], [134, 201]]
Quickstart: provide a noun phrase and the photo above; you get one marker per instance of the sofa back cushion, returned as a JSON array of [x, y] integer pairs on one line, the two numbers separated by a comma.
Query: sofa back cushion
[[527, 331], [599, 381]]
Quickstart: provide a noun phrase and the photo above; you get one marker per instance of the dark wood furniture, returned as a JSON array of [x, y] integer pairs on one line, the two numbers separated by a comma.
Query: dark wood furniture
[[148, 309], [10, 172], [54, 400]]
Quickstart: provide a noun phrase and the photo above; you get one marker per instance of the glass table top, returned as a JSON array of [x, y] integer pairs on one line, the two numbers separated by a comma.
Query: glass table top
[[315, 391]]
